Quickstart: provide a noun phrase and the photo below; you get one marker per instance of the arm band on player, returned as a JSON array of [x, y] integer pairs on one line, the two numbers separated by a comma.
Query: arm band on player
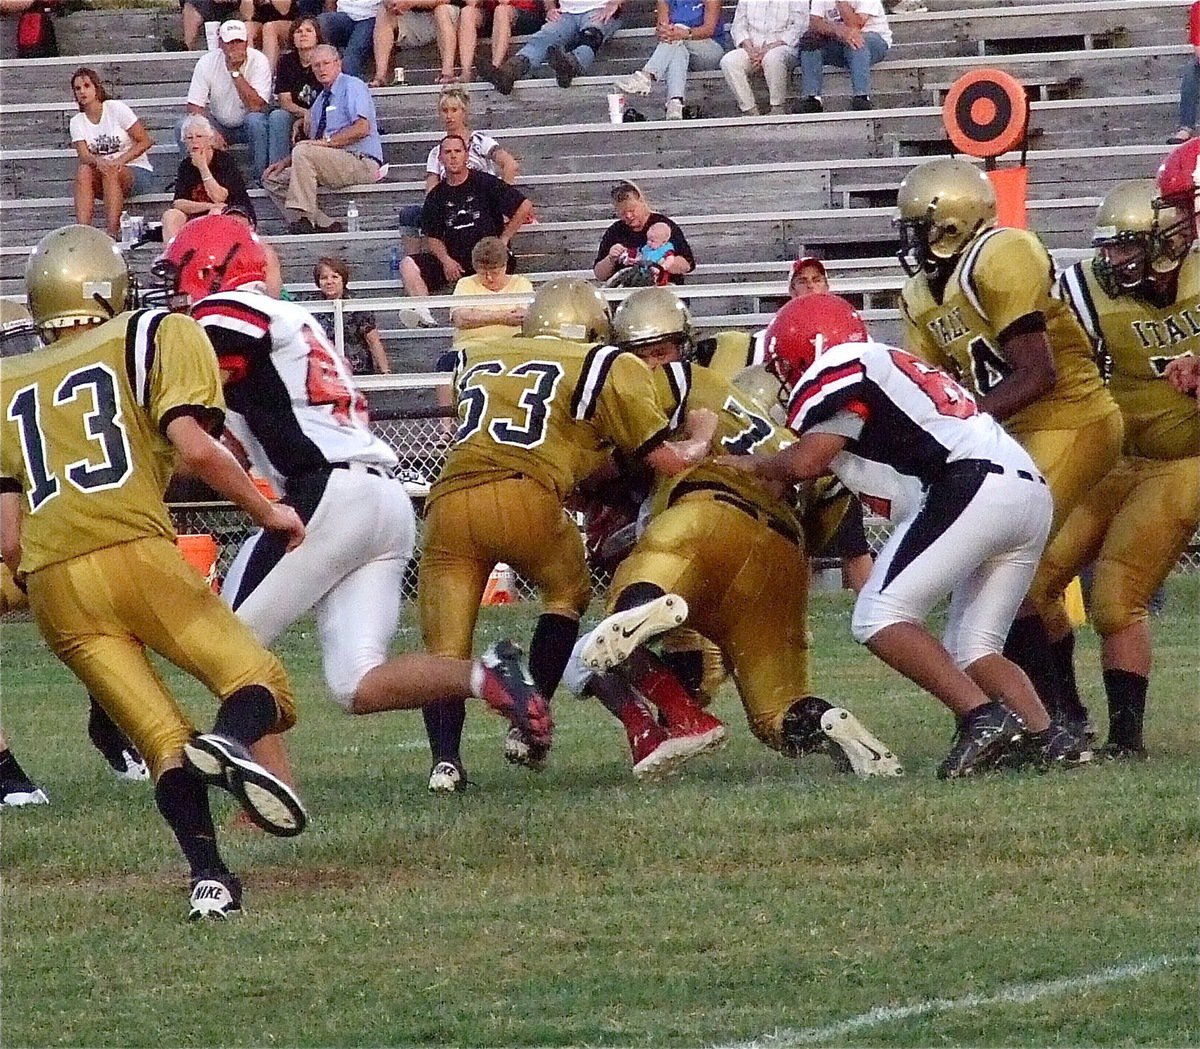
[[1030, 324]]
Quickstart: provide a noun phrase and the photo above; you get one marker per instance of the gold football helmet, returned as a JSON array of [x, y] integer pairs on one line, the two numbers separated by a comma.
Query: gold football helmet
[[17, 334], [941, 207], [76, 275], [763, 388], [568, 308], [652, 315]]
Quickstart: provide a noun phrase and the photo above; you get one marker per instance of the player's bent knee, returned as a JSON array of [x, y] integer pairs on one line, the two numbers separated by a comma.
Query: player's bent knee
[[1112, 613], [969, 650]]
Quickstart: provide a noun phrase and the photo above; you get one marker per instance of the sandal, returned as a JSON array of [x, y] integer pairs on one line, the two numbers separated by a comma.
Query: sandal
[[1184, 134], [446, 78], [375, 82]]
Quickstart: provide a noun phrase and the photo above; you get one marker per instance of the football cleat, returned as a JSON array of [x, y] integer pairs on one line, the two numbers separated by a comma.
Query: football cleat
[[867, 755], [134, 769], [14, 793], [509, 690], [657, 755], [266, 799], [446, 777], [699, 727], [215, 895], [519, 749], [618, 635], [1061, 746], [984, 736]]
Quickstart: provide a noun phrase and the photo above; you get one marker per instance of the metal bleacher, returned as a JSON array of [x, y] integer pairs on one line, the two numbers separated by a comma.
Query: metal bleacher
[[751, 193]]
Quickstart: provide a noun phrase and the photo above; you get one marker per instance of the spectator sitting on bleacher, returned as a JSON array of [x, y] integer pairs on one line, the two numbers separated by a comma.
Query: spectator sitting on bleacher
[[269, 23], [343, 147], [1189, 89], [502, 18], [361, 344], [573, 34], [691, 34], [626, 238], [351, 27], [489, 259], [765, 34], [112, 145], [853, 34], [196, 12], [400, 24], [232, 88], [296, 88], [208, 180], [484, 153], [808, 277], [461, 210]]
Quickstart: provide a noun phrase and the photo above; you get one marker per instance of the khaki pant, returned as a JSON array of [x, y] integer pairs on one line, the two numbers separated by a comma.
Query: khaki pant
[[294, 190]]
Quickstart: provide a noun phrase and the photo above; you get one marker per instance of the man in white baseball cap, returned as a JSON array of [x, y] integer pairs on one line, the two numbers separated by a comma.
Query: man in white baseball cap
[[232, 87]]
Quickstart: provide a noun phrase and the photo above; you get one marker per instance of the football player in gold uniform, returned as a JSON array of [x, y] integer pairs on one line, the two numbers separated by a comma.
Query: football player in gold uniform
[[537, 413], [979, 303], [92, 429], [1138, 299], [728, 552]]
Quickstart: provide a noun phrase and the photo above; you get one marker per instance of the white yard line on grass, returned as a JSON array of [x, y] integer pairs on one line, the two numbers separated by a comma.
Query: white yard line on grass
[[1017, 994]]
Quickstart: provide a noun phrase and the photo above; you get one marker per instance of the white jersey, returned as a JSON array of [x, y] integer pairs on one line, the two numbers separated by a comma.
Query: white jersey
[[292, 399], [906, 421]]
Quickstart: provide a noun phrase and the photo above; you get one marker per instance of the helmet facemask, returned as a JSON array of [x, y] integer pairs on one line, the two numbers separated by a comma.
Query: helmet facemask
[[1174, 234]]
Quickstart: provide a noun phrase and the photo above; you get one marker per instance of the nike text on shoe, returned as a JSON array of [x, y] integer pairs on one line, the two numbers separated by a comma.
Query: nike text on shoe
[[618, 635], [509, 690], [519, 749], [215, 895], [446, 778], [867, 755], [984, 736], [267, 800]]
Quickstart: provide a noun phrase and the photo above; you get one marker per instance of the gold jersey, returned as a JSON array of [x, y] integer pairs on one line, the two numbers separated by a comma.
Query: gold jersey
[[1004, 275], [1139, 340], [742, 429], [83, 430], [550, 410], [728, 352]]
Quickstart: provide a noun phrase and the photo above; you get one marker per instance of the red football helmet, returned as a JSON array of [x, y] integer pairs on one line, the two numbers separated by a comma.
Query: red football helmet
[[1178, 181], [804, 329], [210, 254]]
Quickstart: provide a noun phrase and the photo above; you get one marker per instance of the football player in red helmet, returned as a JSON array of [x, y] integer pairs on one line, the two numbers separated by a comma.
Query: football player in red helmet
[[868, 413], [217, 253], [805, 328], [1178, 179]]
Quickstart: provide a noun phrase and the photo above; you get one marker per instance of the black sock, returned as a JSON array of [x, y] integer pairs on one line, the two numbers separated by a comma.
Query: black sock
[[638, 594], [688, 667], [1126, 706], [1063, 653], [104, 733], [247, 715], [183, 801], [553, 639], [10, 768], [1028, 645], [444, 724]]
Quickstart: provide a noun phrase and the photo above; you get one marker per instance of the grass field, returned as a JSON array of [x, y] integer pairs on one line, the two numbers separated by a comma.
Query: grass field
[[752, 900]]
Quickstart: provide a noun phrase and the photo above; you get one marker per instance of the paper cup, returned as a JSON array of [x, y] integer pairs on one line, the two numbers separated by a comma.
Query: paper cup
[[398, 76], [616, 108]]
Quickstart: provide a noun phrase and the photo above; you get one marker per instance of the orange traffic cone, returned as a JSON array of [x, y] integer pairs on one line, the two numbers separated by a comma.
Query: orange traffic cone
[[501, 587]]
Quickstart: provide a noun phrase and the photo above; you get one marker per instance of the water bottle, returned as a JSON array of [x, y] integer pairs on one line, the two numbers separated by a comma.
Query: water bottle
[[352, 217], [394, 263], [126, 230]]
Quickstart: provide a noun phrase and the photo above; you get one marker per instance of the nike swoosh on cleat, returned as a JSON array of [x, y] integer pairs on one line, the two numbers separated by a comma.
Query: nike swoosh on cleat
[[633, 630]]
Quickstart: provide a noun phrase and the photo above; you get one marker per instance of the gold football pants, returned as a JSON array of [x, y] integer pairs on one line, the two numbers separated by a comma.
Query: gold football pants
[[100, 612], [1133, 525], [746, 586], [469, 531]]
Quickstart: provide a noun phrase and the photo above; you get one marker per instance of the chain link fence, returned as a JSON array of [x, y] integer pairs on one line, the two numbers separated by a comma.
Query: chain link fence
[[421, 439]]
